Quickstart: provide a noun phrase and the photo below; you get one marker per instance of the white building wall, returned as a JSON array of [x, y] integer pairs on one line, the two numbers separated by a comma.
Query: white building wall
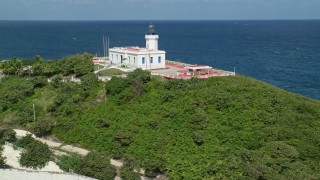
[[155, 64], [140, 63], [134, 59]]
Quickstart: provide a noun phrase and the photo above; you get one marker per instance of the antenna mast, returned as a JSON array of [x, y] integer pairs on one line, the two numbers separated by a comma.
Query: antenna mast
[[104, 49], [108, 47]]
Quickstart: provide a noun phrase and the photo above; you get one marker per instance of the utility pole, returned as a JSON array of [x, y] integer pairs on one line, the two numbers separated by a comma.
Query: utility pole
[[34, 114]]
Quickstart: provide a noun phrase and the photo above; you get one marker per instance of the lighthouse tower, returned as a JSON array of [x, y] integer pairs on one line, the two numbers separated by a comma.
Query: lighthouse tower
[[146, 58], [152, 38]]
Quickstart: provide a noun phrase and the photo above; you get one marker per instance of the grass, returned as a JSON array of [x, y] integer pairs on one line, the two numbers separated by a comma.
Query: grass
[[44, 97], [97, 67], [111, 72]]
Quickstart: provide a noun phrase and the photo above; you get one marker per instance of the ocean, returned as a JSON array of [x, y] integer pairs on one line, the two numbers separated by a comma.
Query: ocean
[[283, 53]]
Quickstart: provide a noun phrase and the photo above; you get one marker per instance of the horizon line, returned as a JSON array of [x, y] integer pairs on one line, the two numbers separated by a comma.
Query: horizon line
[[160, 19]]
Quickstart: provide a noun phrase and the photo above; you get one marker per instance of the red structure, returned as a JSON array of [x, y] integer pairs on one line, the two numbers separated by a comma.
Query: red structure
[[186, 71]]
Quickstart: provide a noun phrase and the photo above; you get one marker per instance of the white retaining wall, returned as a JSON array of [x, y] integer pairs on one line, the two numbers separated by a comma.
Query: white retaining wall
[[13, 174]]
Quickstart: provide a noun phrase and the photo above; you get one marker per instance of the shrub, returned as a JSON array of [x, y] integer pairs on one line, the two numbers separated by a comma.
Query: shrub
[[116, 85], [88, 81], [77, 64], [36, 155], [57, 81], [130, 169], [140, 75], [97, 166], [39, 81], [13, 90], [24, 141], [129, 174], [70, 163], [43, 127], [7, 135]]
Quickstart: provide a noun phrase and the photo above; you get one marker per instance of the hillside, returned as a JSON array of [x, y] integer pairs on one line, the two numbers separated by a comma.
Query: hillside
[[220, 127], [233, 127]]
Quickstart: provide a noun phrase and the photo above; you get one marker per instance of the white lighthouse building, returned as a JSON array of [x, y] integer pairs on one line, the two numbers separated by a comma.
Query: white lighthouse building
[[145, 58]]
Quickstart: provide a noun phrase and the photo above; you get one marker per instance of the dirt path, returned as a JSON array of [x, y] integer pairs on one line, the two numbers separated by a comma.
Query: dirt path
[[13, 156], [67, 148]]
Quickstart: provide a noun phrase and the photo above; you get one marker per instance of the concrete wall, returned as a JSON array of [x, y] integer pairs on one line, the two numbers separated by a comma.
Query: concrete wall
[[13, 174]]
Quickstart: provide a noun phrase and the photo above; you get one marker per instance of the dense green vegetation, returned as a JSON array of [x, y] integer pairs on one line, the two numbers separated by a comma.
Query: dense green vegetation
[[35, 155], [93, 165], [98, 166], [130, 168], [219, 128], [7, 135], [69, 163]]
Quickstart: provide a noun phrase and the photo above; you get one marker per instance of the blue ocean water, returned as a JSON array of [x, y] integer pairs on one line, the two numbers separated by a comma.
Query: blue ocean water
[[283, 53]]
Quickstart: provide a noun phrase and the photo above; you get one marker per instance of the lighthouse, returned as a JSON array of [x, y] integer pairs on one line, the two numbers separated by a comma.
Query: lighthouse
[[152, 38], [147, 58]]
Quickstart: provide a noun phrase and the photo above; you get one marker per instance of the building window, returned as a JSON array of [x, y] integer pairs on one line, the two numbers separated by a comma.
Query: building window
[[143, 60], [159, 59], [134, 60], [151, 60]]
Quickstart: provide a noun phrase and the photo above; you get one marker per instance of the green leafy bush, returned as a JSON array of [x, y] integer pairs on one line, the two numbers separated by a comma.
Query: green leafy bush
[[14, 89], [89, 81], [130, 169], [36, 155], [70, 163], [24, 141], [116, 85], [43, 126], [140, 75], [97, 166], [7, 135], [39, 81], [77, 64]]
